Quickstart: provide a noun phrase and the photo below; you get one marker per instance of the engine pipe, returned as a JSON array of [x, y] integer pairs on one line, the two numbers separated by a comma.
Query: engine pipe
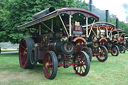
[[90, 5], [43, 12], [117, 23], [107, 16]]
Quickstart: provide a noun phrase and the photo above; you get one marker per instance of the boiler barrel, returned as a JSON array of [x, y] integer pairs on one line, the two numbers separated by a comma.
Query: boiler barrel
[[43, 13], [60, 47]]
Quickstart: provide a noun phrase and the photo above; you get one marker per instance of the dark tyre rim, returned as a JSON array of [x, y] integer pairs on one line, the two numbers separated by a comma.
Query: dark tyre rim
[[88, 51], [83, 61], [103, 54], [122, 49], [34, 56], [25, 53], [50, 65], [115, 51]]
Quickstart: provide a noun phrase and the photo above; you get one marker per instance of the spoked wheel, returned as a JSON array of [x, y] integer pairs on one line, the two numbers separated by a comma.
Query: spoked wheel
[[79, 45], [83, 61], [122, 49], [25, 53], [103, 54], [88, 51], [50, 65], [115, 50]]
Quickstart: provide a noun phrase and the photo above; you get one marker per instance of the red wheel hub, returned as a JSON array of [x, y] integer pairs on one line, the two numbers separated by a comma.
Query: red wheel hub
[[81, 67], [48, 65]]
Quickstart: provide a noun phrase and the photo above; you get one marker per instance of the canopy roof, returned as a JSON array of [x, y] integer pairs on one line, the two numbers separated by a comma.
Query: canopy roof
[[117, 31], [102, 25], [69, 11]]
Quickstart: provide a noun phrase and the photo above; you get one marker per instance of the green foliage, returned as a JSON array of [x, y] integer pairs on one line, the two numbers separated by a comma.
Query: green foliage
[[81, 4], [122, 24], [17, 12], [21, 11], [100, 13], [3, 12]]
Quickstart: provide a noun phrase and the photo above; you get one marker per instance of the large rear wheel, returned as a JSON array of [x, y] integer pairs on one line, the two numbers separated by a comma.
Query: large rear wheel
[[50, 65], [88, 51], [25, 53], [83, 63], [103, 54], [115, 50]]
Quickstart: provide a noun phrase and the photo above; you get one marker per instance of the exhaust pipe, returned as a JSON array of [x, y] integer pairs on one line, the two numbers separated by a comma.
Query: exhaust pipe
[[107, 15], [117, 23], [90, 5]]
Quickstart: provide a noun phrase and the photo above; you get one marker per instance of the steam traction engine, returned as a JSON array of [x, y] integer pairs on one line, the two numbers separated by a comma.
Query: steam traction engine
[[111, 44], [119, 40], [99, 34], [53, 41], [126, 39]]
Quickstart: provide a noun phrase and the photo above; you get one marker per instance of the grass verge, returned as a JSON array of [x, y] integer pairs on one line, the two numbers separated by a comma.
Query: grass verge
[[112, 72]]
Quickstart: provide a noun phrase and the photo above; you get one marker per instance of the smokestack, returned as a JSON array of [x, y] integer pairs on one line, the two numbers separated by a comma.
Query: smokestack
[[107, 16], [117, 23], [90, 5]]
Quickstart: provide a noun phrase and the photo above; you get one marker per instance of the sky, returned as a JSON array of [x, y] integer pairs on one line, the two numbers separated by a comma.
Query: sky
[[114, 6]]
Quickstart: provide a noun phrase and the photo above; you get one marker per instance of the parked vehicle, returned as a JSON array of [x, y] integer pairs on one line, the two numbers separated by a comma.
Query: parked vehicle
[[99, 33], [56, 39]]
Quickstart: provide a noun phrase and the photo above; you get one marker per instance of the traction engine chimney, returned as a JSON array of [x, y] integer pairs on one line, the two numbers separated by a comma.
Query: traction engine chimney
[[90, 5], [117, 23], [107, 16]]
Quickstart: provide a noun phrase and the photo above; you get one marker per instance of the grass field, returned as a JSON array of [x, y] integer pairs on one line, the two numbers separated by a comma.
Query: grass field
[[112, 72]]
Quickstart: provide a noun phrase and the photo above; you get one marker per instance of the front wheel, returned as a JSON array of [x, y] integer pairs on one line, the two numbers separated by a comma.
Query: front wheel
[[50, 65], [122, 49], [83, 63], [115, 50], [103, 54]]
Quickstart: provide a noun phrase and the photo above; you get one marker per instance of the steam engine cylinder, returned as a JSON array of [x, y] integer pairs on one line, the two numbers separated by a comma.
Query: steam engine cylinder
[[60, 47]]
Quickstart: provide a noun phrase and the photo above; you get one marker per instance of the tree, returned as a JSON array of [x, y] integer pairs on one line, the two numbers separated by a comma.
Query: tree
[[123, 26], [81, 4], [3, 12], [21, 11]]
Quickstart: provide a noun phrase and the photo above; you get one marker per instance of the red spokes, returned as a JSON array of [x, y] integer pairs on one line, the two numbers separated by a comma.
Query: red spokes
[[102, 54], [81, 67], [48, 65], [23, 53]]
